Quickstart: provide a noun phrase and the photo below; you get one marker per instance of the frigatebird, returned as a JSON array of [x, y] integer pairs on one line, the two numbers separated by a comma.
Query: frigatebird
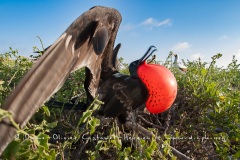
[[122, 93], [89, 42]]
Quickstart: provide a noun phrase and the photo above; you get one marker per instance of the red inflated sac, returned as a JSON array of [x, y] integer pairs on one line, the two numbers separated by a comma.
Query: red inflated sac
[[161, 85]]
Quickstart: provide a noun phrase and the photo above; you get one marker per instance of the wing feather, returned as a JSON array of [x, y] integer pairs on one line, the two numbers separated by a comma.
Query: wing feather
[[84, 44], [121, 92]]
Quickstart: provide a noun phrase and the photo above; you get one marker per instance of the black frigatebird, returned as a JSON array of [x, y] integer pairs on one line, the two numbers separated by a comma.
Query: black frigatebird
[[120, 92], [89, 43]]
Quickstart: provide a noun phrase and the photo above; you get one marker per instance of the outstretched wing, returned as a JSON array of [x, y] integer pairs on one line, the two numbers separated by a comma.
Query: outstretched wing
[[85, 43]]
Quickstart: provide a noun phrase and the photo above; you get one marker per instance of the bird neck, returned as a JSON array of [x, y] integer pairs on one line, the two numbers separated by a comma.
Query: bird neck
[[176, 59], [133, 68]]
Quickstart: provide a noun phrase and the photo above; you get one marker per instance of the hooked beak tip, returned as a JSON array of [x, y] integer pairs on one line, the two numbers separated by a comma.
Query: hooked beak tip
[[149, 52]]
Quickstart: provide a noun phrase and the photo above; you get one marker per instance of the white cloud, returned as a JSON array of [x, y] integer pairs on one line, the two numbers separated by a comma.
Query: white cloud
[[196, 56], [181, 46], [238, 55], [226, 58], [151, 22], [223, 37], [128, 27]]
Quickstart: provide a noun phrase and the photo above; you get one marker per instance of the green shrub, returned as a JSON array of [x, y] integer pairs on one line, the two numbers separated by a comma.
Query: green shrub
[[202, 123]]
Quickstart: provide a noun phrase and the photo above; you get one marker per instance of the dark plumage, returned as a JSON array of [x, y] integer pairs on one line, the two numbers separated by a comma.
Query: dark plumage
[[86, 42], [121, 93]]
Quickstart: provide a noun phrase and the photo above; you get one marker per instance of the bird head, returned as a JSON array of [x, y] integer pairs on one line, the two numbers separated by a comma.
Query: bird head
[[159, 82], [175, 55], [135, 64]]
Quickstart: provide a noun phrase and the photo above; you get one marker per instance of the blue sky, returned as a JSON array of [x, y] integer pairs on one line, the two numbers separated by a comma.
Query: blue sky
[[191, 28]]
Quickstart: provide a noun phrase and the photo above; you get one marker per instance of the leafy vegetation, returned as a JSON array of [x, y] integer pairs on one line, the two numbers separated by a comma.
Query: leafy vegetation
[[203, 122]]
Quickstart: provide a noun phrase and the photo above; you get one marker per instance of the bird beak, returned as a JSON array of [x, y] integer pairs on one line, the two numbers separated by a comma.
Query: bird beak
[[149, 52]]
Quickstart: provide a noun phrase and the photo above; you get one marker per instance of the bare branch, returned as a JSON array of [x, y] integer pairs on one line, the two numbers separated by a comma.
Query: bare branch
[[145, 132]]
